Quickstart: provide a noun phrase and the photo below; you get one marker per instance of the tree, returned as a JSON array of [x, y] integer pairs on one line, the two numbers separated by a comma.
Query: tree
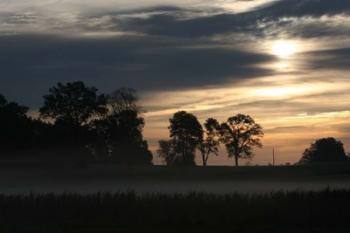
[[210, 142], [14, 126], [12, 109], [123, 99], [167, 152], [120, 130], [71, 107], [73, 103], [324, 150], [241, 134], [186, 133]]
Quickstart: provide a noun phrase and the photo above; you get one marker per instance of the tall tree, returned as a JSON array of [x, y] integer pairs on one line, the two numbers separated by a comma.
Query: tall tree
[[186, 133], [241, 134], [210, 142], [121, 129], [71, 107], [74, 103], [324, 150]]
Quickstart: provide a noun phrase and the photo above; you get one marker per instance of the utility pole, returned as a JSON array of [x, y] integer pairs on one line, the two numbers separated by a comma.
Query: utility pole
[[273, 156]]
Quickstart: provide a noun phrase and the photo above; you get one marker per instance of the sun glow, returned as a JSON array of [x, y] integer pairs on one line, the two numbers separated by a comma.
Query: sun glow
[[279, 91], [284, 48]]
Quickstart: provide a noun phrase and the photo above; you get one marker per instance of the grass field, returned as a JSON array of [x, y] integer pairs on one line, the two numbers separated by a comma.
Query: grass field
[[326, 211], [56, 198]]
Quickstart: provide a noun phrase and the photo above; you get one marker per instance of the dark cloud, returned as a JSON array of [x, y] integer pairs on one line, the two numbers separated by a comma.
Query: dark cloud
[[265, 20], [145, 63], [298, 8], [330, 59], [172, 53]]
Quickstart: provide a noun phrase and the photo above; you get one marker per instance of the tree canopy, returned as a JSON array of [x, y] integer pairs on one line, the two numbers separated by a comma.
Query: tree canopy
[[73, 102], [324, 150], [210, 141], [240, 134], [120, 130], [186, 134], [77, 123], [123, 99]]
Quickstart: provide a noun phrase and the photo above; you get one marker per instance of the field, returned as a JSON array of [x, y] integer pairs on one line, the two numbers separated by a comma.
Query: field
[[24, 177], [326, 211], [56, 197]]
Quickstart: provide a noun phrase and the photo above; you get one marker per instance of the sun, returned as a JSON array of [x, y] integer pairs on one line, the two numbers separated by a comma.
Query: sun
[[283, 48]]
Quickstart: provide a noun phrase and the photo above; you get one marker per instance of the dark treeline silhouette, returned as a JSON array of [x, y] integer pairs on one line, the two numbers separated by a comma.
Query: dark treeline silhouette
[[240, 134], [75, 122], [324, 150], [79, 124]]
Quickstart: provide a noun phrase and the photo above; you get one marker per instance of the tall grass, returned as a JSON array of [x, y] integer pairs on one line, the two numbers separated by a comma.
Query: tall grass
[[326, 211]]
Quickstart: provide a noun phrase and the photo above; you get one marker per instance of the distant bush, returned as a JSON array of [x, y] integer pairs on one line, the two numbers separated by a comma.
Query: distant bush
[[326, 211], [324, 150]]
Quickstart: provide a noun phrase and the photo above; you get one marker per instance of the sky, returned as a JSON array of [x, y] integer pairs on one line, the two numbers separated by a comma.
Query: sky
[[286, 63]]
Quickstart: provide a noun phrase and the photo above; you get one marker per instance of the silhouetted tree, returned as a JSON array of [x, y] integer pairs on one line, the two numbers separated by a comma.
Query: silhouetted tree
[[324, 150], [167, 152], [73, 103], [120, 131], [210, 142], [240, 134], [124, 99], [71, 107], [12, 109], [186, 133], [14, 126]]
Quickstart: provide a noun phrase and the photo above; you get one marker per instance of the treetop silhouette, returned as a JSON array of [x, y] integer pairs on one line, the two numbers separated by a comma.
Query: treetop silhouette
[[73, 102], [324, 150], [240, 134]]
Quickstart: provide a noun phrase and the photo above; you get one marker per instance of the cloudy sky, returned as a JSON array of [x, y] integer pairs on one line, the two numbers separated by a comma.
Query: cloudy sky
[[284, 62]]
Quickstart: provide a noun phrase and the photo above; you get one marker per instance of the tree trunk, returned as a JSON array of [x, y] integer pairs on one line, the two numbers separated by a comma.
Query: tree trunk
[[236, 160], [204, 160]]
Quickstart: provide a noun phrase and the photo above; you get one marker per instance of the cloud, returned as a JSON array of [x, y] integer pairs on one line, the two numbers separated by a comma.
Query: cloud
[[159, 47], [146, 63], [301, 17], [306, 18], [330, 59], [289, 129]]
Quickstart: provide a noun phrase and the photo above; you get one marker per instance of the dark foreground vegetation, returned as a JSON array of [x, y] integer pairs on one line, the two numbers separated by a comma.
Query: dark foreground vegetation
[[326, 211]]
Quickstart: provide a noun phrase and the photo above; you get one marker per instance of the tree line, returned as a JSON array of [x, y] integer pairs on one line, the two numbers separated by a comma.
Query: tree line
[[239, 134], [76, 122]]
